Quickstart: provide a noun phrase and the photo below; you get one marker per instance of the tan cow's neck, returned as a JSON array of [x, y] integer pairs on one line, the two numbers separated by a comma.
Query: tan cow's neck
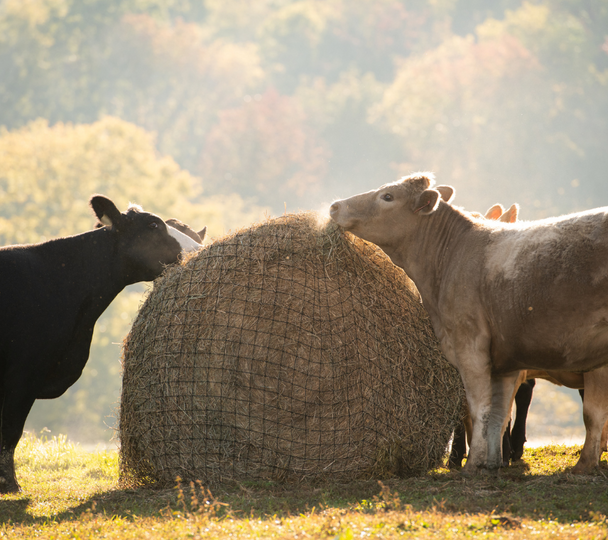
[[436, 239]]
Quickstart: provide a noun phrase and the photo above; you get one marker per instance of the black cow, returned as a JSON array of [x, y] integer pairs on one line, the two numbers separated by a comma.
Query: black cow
[[51, 295]]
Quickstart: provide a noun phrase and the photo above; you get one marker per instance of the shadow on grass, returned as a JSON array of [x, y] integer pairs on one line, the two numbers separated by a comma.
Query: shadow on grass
[[558, 496], [11, 511]]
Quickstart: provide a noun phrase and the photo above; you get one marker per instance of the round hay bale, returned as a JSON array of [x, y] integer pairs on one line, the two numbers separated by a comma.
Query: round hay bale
[[285, 351]]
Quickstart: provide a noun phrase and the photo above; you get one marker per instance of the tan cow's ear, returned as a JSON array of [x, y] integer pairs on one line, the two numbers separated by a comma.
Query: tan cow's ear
[[427, 202], [447, 193], [510, 216], [495, 212]]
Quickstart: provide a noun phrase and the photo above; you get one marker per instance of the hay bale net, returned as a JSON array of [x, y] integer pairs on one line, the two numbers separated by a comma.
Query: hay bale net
[[284, 351]]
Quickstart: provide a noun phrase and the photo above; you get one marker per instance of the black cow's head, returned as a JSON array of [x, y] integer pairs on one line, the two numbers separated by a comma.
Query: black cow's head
[[145, 244]]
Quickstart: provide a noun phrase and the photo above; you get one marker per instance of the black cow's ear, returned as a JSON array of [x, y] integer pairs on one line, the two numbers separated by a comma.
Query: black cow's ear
[[447, 193], [427, 202], [105, 210]]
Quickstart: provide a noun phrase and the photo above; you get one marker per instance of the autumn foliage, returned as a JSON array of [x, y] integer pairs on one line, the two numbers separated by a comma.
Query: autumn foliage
[[215, 111]]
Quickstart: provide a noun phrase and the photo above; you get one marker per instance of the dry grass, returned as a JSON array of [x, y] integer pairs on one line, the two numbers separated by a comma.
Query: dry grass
[[69, 493], [287, 351]]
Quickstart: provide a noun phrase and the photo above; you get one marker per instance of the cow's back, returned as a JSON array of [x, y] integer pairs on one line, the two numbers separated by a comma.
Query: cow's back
[[47, 294], [38, 281], [545, 287], [19, 289]]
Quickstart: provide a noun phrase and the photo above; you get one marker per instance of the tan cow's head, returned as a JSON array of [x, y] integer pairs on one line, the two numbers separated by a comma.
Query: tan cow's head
[[385, 216]]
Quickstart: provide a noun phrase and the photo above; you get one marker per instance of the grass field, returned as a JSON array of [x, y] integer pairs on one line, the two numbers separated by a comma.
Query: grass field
[[70, 493]]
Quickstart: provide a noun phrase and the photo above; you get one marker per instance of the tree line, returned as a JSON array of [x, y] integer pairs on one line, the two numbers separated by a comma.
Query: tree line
[[216, 112]]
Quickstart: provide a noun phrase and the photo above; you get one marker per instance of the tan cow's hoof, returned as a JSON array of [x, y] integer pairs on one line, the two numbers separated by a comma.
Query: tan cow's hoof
[[583, 469], [472, 471]]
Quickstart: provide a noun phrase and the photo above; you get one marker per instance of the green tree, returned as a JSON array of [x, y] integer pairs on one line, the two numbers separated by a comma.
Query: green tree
[[48, 174], [67, 60], [313, 38], [53, 55], [362, 153], [171, 78], [568, 40], [266, 147], [510, 109]]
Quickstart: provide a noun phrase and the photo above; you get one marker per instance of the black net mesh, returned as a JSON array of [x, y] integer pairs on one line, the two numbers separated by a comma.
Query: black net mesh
[[286, 351]]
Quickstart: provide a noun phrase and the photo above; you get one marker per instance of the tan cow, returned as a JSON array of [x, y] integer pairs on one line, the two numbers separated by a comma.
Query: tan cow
[[523, 396], [596, 436], [502, 297]]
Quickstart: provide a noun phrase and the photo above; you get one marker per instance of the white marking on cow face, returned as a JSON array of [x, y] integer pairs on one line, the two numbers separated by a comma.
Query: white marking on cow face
[[136, 207], [105, 220], [186, 243]]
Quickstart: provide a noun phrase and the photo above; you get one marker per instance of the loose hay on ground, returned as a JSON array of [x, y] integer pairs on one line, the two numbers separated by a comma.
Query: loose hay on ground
[[285, 351]]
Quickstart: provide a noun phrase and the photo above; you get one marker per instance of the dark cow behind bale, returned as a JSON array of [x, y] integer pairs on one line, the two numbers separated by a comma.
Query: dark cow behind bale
[[198, 237], [53, 293], [284, 351]]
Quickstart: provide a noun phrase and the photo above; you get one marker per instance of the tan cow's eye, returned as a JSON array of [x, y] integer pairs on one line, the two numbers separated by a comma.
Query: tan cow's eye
[[387, 197]]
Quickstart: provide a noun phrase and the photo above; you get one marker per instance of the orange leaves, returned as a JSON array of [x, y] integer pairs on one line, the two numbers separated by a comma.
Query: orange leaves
[[185, 49], [460, 69], [264, 147]]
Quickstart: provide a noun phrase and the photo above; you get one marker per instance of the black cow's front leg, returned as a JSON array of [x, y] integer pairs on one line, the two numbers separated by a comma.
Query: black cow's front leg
[[459, 447], [523, 398], [16, 405], [8, 480]]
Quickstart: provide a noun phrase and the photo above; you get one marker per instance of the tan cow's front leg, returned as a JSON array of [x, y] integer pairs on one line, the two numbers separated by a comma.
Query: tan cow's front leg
[[504, 388], [595, 415], [490, 398]]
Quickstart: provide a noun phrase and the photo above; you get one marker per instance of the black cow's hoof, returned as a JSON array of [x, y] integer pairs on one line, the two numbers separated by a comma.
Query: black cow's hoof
[[8, 487], [516, 455]]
